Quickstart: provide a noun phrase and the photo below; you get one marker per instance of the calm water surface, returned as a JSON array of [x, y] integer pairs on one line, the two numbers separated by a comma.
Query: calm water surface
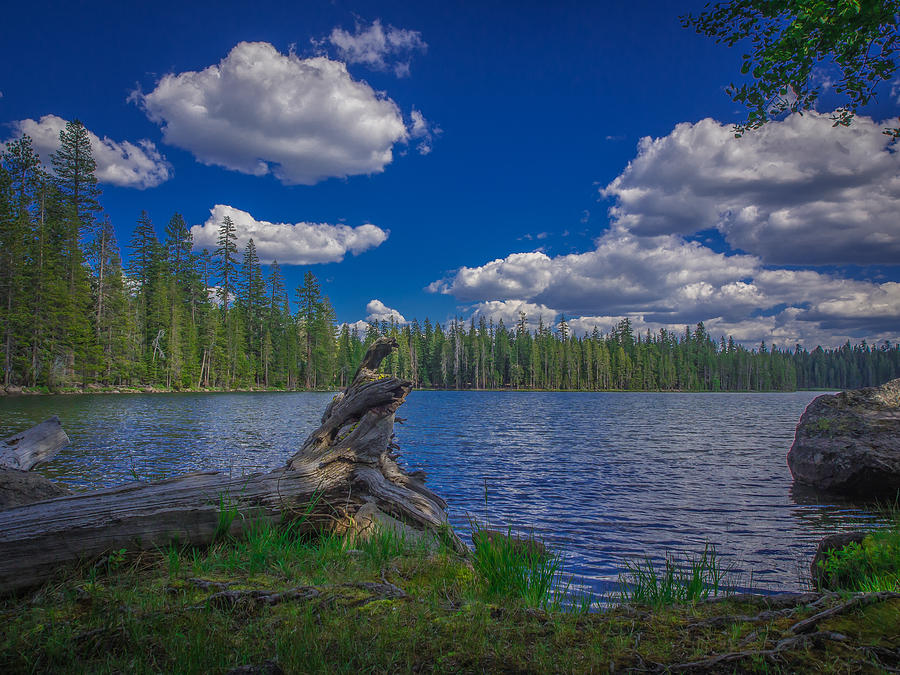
[[604, 476]]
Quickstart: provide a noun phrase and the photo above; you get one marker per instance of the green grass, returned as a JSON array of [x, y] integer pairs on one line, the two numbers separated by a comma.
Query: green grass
[[676, 582], [507, 569], [523, 569], [384, 605], [869, 566]]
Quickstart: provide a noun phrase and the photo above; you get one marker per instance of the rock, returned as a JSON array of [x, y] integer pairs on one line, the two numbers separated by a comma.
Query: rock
[[850, 442], [13, 390], [19, 488], [832, 543]]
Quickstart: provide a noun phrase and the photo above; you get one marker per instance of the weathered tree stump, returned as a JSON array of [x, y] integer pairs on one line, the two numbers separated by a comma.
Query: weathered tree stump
[[19, 454], [40, 443], [344, 465]]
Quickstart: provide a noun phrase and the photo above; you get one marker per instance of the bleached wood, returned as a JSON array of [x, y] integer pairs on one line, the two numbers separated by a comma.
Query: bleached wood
[[343, 465], [40, 443]]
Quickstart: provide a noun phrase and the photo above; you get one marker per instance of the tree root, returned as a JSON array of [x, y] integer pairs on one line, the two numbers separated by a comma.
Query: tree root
[[770, 654], [856, 601], [777, 601], [228, 599], [762, 617], [225, 598]]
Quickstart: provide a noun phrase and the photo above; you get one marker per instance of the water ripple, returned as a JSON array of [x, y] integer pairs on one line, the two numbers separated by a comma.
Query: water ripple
[[606, 477]]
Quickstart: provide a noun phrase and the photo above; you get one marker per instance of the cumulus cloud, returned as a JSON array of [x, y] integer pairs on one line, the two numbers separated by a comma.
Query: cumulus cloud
[[289, 243], [662, 274], [376, 310], [377, 47], [666, 281], [259, 111], [798, 191], [785, 329], [359, 326], [510, 312], [139, 165]]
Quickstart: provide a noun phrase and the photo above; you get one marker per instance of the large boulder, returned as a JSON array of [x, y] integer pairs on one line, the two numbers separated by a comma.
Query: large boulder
[[850, 442]]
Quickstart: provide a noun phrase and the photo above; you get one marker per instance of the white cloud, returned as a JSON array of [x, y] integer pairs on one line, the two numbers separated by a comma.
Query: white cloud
[[784, 329], [376, 310], [509, 311], [665, 281], [214, 293], [119, 163], [360, 326], [660, 274], [259, 111], [422, 129], [378, 48], [289, 243], [798, 191]]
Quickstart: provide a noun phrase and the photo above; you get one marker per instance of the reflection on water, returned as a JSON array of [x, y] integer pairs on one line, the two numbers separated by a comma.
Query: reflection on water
[[603, 476]]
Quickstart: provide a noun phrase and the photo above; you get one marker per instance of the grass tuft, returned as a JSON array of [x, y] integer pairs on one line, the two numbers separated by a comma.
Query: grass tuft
[[677, 582], [870, 566], [510, 567]]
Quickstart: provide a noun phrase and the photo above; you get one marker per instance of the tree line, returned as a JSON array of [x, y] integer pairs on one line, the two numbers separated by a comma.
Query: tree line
[[71, 315]]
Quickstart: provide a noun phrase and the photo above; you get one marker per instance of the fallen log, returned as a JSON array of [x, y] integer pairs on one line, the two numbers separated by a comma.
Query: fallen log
[[19, 454], [40, 443], [344, 465]]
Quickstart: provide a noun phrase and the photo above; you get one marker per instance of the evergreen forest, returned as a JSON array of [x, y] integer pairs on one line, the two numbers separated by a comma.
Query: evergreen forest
[[72, 316]]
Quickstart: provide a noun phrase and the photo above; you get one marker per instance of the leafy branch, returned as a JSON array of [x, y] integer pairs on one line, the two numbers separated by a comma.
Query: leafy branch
[[793, 40]]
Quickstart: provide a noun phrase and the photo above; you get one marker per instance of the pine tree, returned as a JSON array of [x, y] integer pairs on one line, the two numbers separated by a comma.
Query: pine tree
[[309, 300], [178, 246], [74, 166], [20, 176], [274, 330], [253, 299], [226, 252]]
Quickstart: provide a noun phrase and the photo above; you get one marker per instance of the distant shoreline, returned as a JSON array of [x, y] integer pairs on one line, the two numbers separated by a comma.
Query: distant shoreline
[[78, 391]]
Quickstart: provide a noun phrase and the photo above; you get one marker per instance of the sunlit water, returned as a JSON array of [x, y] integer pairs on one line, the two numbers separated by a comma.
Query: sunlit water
[[604, 477]]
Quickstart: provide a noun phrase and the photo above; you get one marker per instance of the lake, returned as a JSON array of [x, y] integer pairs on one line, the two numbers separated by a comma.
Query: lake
[[603, 476]]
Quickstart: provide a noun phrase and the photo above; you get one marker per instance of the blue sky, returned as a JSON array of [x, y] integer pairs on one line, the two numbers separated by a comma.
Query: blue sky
[[476, 159]]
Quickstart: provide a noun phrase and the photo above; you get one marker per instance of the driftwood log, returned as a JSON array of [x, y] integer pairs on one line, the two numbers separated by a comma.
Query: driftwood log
[[343, 474], [40, 443], [22, 452]]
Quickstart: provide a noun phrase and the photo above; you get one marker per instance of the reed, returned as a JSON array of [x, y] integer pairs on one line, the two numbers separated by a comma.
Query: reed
[[675, 582]]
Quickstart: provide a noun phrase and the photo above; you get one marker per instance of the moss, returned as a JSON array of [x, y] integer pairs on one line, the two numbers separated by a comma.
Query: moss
[[136, 618], [827, 426]]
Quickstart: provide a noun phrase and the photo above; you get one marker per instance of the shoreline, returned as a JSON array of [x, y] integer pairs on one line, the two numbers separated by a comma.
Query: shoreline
[[17, 391]]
